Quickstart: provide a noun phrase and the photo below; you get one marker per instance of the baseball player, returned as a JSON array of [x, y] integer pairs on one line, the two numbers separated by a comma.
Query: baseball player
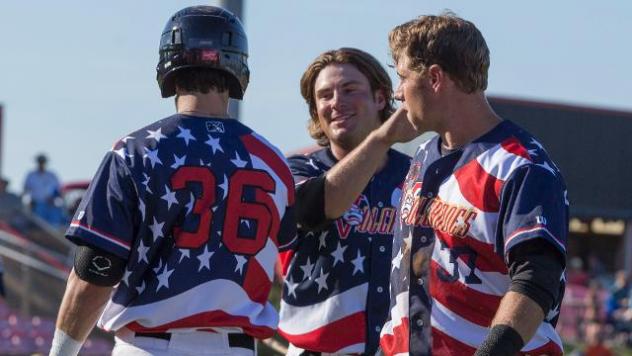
[[480, 241], [185, 217], [335, 297]]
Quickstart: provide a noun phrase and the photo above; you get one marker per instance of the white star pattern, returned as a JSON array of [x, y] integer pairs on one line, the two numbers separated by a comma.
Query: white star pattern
[[184, 253], [142, 252], [178, 161], [153, 156], [546, 166], [141, 207], [214, 143], [141, 288], [156, 229], [566, 197], [169, 197], [155, 135], [163, 278], [308, 269], [358, 263], [126, 138], [157, 268], [322, 281], [533, 152], [339, 254], [241, 260], [322, 240], [311, 163], [238, 162], [146, 183], [125, 278], [224, 187], [291, 286], [397, 260], [205, 259], [122, 152], [536, 143], [185, 134]]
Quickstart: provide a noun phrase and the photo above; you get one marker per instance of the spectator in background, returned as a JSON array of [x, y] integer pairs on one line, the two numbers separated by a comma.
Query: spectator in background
[[576, 274], [617, 303], [595, 340], [41, 187], [8, 200]]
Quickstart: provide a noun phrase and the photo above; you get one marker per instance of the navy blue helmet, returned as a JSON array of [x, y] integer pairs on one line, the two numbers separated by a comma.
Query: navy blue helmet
[[204, 37]]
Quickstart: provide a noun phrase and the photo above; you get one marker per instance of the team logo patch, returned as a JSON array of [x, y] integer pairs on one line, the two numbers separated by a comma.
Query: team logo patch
[[354, 215], [101, 265], [215, 127]]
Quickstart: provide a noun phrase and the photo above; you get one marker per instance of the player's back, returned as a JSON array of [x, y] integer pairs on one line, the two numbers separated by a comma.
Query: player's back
[[206, 199]]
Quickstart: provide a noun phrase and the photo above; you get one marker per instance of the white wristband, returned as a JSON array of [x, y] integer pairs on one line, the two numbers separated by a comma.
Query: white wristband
[[64, 345]]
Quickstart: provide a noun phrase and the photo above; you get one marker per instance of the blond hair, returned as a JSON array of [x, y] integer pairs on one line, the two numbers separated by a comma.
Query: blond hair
[[456, 45]]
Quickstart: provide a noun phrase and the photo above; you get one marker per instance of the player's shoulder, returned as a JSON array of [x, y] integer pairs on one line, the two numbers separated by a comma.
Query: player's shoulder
[[528, 154], [399, 158], [256, 142], [155, 131], [322, 155]]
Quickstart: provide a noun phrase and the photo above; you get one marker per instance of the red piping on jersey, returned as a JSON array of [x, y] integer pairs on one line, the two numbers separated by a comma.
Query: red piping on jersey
[[104, 235]]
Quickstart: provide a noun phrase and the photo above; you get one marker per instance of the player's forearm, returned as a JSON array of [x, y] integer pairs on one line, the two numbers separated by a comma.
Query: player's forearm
[[520, 313], [348, 178], [81, 307]]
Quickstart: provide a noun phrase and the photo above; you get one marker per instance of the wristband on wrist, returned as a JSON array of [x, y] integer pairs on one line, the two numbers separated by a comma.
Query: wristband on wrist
[[502, 340], [64, 345]]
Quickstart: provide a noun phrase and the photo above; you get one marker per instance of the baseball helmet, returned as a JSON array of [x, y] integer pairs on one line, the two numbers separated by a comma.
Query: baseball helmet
[[204, 37]]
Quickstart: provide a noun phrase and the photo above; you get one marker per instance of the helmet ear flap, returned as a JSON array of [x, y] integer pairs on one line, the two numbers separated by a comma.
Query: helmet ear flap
[[204, 37]]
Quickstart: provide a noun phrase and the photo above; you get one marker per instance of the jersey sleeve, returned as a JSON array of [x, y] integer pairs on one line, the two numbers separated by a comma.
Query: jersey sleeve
[[534, 205], [303, 168], [105, 217], [310, 193]]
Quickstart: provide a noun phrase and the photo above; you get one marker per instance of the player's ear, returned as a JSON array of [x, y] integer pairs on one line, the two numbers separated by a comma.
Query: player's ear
[[380, 99], [436, 77]]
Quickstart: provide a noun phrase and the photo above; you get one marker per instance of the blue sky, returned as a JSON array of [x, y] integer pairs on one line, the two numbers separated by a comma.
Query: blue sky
[[77, 75]]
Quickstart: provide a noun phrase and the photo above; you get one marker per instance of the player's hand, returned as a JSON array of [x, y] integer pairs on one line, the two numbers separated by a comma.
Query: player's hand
[[397, 128]]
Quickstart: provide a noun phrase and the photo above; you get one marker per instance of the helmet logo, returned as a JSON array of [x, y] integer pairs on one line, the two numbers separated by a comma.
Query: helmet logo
[[209, 56]]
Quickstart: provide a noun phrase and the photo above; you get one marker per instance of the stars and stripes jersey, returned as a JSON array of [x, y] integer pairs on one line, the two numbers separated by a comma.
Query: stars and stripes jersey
[[199, 208], [335, 293], [459, 216]]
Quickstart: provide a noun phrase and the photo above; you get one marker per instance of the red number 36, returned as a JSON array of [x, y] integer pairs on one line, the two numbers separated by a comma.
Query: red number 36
[[261, 210]]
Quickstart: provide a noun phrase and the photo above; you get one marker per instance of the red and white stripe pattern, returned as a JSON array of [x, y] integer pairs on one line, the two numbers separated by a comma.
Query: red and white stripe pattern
[[228, 305], [464, 304], [313, 322]]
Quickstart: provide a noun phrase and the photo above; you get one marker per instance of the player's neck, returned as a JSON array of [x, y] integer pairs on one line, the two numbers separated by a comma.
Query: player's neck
[[212, 104], [469, 120]]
